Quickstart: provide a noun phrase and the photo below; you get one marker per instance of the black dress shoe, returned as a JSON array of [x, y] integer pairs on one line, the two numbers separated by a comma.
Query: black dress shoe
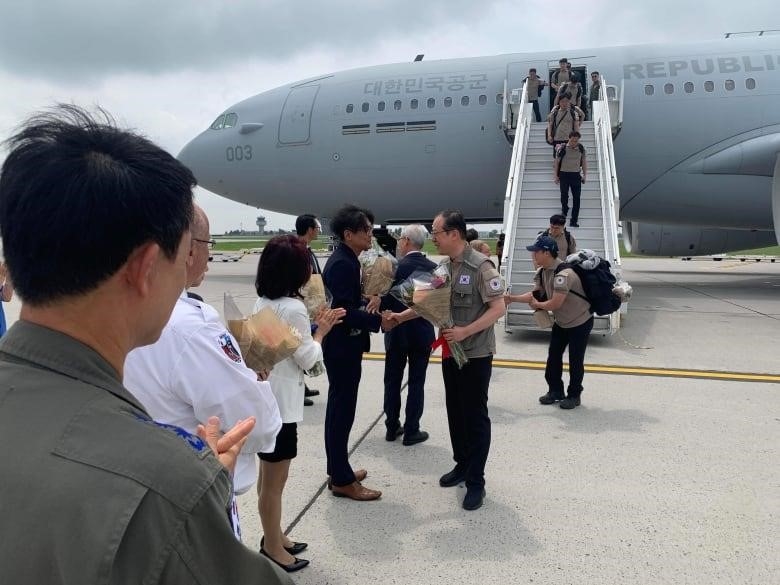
[[308, 402], [296, 548], [392, 435], [415, 438], [474, 498], [296, 565], [452, 478], [309, 392], [570, 402], [574, 224]]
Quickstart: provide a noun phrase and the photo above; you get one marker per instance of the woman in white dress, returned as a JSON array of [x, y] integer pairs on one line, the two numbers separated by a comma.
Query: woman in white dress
[[284, 267]]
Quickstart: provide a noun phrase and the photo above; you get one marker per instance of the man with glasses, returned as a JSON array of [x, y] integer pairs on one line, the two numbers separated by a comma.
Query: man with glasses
[[195, 370], [308, 228], [344, 346], [477, 303]]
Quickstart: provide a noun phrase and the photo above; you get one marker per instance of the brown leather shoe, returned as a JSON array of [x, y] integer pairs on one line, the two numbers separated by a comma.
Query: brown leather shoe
[[360, 475], [356, 491]]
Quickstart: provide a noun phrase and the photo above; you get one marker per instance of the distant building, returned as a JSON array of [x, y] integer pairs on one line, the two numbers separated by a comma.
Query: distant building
[[261, 223]]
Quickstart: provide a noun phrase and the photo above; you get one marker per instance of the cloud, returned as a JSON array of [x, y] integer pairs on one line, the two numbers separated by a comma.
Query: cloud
[[91, 38]]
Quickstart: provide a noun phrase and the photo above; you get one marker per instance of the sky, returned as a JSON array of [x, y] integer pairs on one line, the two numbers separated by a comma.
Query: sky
[[166, 69]]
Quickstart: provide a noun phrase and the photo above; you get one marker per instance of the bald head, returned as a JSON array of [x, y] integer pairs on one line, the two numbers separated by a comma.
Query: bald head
[[198, 263]]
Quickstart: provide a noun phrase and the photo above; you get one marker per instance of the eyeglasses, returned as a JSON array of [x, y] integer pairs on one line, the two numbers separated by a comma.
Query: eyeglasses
[[444, 231], [209, 243]]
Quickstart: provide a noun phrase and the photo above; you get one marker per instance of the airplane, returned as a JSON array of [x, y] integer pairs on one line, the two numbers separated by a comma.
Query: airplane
[[696, 154]]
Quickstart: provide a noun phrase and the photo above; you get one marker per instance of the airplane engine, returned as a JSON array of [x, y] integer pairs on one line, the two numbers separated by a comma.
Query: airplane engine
[[683, 240]]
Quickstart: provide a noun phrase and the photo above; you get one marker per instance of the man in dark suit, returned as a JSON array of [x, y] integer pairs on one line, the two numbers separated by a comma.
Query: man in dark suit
[[308, 227], [344, 346], [411, 341]]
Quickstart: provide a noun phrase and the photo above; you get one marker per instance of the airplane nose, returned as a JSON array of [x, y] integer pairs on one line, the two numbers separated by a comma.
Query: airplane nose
[[195, 156]]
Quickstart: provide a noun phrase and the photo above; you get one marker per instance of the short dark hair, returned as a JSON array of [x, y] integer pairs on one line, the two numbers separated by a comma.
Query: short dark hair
[[78, 195], [284, 267], [575, 133], [471, 235], [566, 96], [352, 218], [454, 220], [558, 219], [304, 223], [592, 73], [532, 70], [563, 60]]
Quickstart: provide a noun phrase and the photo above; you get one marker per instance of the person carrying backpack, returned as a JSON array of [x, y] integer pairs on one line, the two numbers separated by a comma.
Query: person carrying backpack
[[562, 121], [561, 292], [567, 244], [571, 170], [535, 86]]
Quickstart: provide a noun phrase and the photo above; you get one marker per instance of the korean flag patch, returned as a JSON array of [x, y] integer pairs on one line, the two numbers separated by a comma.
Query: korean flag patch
[[226, 343], [495, 284], [464, 279], [560, 280]]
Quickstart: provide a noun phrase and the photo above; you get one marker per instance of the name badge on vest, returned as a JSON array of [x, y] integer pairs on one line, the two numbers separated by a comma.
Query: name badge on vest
[[464, 279]]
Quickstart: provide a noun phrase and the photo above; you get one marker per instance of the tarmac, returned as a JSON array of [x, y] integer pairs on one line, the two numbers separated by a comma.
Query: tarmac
[[668, 473]]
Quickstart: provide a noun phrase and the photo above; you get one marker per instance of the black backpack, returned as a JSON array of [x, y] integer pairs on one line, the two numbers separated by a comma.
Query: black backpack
[[597, 284], [556, 121]]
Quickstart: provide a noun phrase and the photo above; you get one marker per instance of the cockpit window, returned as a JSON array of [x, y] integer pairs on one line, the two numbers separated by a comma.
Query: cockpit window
[[219, 123], [231, 120]]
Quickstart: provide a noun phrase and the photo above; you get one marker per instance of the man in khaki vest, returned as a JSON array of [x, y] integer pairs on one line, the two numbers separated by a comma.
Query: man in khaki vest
[[562, 121], [571, 171], [561, 292], [477, 303]]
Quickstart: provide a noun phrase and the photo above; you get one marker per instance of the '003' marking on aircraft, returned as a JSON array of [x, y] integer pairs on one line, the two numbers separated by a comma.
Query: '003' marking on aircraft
[[696, 156]]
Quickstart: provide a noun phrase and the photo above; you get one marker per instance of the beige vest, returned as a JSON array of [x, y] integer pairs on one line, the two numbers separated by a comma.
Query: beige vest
[[467, 304]]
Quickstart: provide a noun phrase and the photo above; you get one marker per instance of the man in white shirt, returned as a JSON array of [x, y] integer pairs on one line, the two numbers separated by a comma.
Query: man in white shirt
[[195, 370]]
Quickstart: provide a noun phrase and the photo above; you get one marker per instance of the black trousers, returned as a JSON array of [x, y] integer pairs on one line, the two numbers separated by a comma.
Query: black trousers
[[577, 340], [571, 181], [344, 371], [466, 394], [397, 354], [537, 114]]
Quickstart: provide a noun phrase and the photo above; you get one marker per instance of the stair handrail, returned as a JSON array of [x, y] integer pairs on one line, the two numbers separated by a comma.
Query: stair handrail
[[610, 195], [516, 165]]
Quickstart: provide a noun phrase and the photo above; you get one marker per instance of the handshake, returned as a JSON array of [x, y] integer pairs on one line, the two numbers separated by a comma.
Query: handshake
[[389, 319]]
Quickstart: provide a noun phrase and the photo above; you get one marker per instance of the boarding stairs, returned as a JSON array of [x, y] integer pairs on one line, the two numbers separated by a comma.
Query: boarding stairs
[[532, 197]]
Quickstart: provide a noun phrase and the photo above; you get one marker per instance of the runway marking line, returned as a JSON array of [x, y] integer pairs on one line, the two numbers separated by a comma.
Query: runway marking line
[[625, 370]]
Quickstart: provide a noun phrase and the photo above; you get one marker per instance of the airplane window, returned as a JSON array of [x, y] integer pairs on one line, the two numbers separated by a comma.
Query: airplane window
[[709, 86], [649, 89], [729, 85], [364, 107], [464, 101], [669, 88], [688, 87], [230, 120], [414, 103], [750, 83], [499, 98], [447, 102], [397, 105], [482, 100], [431, 102], [350, 108], [381, 106], [219, 123]]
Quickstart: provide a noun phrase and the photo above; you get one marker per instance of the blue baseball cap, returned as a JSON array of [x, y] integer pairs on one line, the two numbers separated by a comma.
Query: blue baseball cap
[[543, 243]]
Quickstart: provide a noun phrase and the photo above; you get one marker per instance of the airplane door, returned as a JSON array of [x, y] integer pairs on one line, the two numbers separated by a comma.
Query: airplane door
[[295, 121], [518, 71]]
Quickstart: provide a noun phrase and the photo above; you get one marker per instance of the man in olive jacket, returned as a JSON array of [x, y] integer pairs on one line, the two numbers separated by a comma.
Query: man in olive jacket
[[95, 226]]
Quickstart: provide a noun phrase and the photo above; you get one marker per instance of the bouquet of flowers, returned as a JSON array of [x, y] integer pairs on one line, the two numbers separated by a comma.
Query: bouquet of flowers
[[429, 295], [315, 296], [264, 339], [378, 272]]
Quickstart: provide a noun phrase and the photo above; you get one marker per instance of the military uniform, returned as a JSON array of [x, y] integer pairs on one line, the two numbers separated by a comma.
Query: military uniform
[[573, 323], [475, 282], [571, 162], [98, 492]]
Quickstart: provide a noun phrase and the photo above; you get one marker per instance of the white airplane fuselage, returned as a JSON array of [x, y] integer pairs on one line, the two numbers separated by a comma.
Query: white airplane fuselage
[[698, 145]]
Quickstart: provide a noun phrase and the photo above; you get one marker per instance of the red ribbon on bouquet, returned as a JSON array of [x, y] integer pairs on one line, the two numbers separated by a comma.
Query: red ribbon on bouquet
[[445, 347]]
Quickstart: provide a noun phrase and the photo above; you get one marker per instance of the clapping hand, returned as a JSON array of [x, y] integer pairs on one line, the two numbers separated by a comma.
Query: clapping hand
[[226, 447], [326, 318]]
